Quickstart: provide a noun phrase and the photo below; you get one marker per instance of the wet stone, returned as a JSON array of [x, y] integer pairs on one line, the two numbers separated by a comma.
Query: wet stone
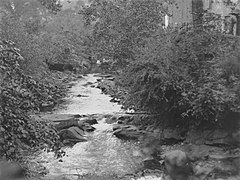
[[80, 95], [127, 132], [89, 120], [73, 134], [152, 164], [59, 117]]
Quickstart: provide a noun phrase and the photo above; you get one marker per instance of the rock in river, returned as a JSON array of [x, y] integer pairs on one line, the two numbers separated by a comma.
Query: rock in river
[[71, 127], [86, 126], [127, 132], [89, 120], [177, 165], [72, 134]]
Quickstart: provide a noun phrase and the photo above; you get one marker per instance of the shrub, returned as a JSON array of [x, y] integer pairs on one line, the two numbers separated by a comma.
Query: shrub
[[186, 76], [21, 95]]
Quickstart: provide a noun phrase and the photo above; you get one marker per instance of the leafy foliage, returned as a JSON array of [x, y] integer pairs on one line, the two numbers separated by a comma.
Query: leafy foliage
[[119, 28], [190, 80], [184, 75], [66, 31], [53, 5], [20, 95], [41, 35], [28, 23]]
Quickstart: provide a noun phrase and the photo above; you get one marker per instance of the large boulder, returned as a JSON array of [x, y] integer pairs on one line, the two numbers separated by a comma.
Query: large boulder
[[151, 146], [227, 165], [72, 134], [71, 127], [85, 126], [177, 165], [152, 164], [89, 120], [216, 137], [127, 132], [81, 124], [151, 149], [59, 117], [65, 121], [67, 124]]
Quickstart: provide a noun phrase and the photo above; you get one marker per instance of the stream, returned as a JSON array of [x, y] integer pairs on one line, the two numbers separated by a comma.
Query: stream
[[103, 156]]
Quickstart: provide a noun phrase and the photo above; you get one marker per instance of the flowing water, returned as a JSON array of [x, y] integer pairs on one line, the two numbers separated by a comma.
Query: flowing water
[[93, 101], [103, 154]]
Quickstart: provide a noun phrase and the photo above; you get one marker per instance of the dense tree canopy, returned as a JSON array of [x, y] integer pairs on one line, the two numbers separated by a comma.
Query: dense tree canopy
[[179, 74], [120, 27]]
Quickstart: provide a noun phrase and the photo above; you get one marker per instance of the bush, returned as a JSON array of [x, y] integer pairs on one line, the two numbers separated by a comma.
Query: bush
[[186, 77], [189, 76], [21, 95]]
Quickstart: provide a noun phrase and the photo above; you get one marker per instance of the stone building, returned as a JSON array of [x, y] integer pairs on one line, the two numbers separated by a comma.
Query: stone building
[[186, 11]]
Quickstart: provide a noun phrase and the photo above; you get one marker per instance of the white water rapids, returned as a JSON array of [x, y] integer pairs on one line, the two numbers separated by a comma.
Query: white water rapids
[[103, 154]]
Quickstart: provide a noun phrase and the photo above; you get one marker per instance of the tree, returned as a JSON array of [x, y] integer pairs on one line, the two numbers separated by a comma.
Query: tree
[[42, 35], [177, 73], [120, 27], [53, 5], [20, 94]]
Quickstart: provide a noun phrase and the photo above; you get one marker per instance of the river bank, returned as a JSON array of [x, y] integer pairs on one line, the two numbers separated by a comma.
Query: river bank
[[215, 153], [104, 156]]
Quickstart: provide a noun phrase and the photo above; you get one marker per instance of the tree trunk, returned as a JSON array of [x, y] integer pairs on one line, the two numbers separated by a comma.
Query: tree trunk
[[197, 13], [238, 25]]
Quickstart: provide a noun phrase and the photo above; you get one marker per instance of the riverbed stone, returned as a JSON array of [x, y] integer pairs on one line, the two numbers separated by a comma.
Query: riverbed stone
[[126, 119], [75, 122], [177, 165], [212, 137], [80, 95], [127, 132], [119, 119], [111, 119], [89, 120], [117, 126], [201, 172], [88, 84], [226, 164], [59, 117], [72, 134], [65, 121], [67, 124], [152, 164], [88, 128], [85, 126]]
